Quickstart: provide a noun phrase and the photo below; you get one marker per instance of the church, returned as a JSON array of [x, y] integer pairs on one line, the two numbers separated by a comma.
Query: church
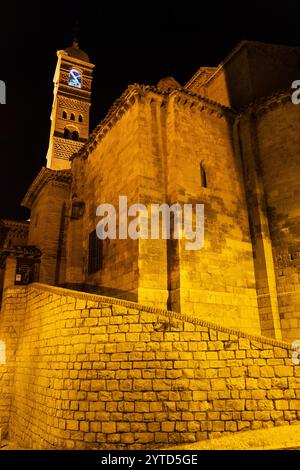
[[228, 139]]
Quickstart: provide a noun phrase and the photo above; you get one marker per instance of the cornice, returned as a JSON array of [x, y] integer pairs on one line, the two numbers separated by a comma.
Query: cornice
[[202, 72], [63, 55], [11, 224], [21, 251], [45, 175], [136, 92], [265, 104]]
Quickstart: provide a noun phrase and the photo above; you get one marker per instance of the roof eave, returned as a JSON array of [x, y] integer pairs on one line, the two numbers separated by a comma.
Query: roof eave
[[44, 176]]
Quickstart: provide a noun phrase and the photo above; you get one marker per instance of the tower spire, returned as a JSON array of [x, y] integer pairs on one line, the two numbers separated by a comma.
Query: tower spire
[[71, 103], [75, 42]]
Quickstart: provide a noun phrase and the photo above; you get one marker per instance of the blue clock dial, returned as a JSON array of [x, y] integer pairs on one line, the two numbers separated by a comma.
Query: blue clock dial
[[74, 78]]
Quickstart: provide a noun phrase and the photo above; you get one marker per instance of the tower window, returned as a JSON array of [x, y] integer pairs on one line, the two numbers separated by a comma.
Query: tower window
[[75, 135], [80, 119], [203, 176], [95, 253], [66, 133], [72, 117], [64, 115]]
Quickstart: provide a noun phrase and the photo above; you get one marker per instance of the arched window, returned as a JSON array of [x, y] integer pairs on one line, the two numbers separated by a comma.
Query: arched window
[[75, 135], [66, 133], [203, 176], [80, 119], [72, 117], [64, 115]]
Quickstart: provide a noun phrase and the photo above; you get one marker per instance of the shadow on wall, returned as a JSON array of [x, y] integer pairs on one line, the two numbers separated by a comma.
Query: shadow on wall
[[254, 70]]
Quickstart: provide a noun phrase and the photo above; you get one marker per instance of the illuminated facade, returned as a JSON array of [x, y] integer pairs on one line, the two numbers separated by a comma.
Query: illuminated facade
[[83, 371], [229, 139], [71, 105]]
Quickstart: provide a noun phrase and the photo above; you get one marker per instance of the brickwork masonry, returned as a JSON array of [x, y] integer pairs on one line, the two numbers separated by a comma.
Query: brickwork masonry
[[87, 372]]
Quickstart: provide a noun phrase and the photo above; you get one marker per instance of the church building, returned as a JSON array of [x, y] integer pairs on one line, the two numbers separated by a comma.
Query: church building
[[228, 139]]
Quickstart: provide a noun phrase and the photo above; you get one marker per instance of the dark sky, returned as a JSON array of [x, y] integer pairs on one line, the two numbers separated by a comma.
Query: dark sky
[[129, 42]]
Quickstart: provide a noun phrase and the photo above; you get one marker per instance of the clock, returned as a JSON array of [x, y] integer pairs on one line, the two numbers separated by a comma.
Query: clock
[[74, 78]]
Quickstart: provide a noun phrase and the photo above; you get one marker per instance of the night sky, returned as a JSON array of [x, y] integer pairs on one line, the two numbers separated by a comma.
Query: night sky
[[129, 43]]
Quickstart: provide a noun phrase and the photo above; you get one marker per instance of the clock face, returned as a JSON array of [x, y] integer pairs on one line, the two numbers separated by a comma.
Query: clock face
[[74, 78]]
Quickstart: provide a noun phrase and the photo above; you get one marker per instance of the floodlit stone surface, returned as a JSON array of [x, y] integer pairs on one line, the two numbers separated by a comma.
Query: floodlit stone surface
[[86, 371]]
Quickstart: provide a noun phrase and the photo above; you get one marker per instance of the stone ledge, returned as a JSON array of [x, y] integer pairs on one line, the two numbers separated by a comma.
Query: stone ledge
[[166, 313]]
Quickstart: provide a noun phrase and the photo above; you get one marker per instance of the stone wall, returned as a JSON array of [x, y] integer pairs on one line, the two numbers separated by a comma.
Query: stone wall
[[112, 170], [11, 319], [216, 282], [271, 154], [159, 141], [47, 227], [96, 372]]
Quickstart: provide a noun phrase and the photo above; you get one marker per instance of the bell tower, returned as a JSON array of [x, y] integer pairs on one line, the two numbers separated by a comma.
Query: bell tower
[[71, 105]]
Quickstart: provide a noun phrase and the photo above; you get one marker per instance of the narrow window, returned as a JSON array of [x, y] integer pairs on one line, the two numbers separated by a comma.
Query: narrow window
[[64, 115], [72, 117], [66, 133], [80, 119], [203, 176], [95, 253], [75, 135], [2, 92], [2, 352], [74, 78]]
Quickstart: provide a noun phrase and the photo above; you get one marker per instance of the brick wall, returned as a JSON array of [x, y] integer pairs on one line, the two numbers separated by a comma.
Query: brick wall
[[97, 372]]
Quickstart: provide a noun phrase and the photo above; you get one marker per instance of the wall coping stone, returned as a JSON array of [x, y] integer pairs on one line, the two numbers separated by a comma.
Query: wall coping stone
[[149, 309]]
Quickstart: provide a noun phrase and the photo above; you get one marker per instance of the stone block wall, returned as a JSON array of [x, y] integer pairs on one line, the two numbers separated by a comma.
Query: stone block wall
[[45, 230], [11, 318], [218, 281], [270, 147], [96, 372], [112, 170], [277, 128]]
